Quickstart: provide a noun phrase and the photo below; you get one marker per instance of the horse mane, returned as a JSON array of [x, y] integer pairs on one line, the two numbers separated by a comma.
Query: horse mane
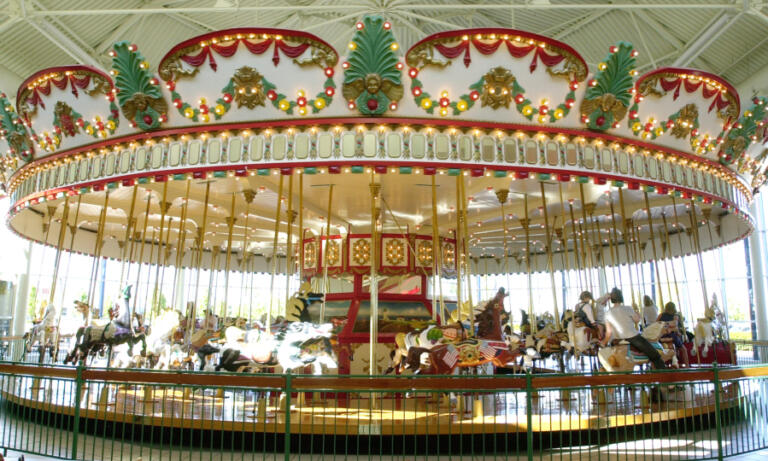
[[301, 312], [488, 320]]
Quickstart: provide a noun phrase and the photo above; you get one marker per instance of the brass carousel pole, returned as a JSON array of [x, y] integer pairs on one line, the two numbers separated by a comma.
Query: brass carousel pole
[[141, 252], [200, 244], [664, 249], [600, 240], [564, 239], [300, 243], [97, 246], [166, 254], [503, 195], [164, 206], [274, 257], [248, 195], [627, 241], [437, 263], [467, 254], [290, 218], [231, 219], [639, 257], [697, 242], [149, 313], [457, 236], [653, 247], [615, 246], [575, 239], [47, 230], [585, 245], [375, 189], [60, 242], [525, 222], [72, 231], [128, 228], [326, 251], [672, 261], [678, 226], [180, 244], [548, 239]]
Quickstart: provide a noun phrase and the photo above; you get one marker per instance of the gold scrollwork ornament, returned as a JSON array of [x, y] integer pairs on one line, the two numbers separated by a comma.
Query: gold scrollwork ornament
[[249, 90]]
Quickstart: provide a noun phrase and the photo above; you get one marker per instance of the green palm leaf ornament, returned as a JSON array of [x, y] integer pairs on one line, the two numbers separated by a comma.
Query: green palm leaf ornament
[[372, 71], [13, 131], [610, 91], [751, 127], [138, 91]]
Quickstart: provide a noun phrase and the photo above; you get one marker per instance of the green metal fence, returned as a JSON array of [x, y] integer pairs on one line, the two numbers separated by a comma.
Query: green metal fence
[[104, 414]]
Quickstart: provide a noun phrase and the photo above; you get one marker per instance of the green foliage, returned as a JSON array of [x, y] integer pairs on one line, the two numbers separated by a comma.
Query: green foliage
[[372, 79], [606, 101], [131, 78], [615, 78], [373, 52], [140, 98], [11, 126], [740, 136]]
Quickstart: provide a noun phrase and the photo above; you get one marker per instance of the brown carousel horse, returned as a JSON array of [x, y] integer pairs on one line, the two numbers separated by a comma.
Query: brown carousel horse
[[446, 354]]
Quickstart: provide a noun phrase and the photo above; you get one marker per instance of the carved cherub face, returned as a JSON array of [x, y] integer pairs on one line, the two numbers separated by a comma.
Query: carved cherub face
[[373, 83]]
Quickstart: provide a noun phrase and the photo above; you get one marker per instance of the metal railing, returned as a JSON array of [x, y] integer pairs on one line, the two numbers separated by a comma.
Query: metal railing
[[100, 414]]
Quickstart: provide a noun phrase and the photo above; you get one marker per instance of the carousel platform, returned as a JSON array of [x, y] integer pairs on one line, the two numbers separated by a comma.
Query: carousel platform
[[386, 415]]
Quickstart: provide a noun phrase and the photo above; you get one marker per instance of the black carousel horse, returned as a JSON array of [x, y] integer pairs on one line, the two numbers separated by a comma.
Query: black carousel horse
[[93, 339]]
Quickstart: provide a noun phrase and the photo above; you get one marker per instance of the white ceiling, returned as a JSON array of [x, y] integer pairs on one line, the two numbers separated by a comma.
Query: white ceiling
[[726, 37]]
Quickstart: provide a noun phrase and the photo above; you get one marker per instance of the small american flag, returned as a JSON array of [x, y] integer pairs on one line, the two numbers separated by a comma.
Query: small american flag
[[491, 350], [451, 356]]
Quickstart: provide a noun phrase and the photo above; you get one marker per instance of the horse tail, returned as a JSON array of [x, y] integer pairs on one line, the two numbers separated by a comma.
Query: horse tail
[[400, 341]]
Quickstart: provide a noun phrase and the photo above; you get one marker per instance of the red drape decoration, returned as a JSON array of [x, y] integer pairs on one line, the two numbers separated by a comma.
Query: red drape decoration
[[255, 48], [77, 82], [548, 59], [691, 87], [486, 47], [452, 52]]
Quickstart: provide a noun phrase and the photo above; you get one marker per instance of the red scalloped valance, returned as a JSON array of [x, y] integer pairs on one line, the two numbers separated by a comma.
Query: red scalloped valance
[[255, 48], [77, 82], [691, 87], [489, 47]]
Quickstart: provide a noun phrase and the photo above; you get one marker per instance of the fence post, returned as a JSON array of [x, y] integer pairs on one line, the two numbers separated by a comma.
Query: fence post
[[287, 447], [718, 422], [78, 398], [529, 411]]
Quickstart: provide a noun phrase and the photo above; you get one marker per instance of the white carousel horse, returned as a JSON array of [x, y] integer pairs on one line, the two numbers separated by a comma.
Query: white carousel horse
[[708, 328], [160, 339], [290, 345], [43, 332], [294, 345], [622, 357]]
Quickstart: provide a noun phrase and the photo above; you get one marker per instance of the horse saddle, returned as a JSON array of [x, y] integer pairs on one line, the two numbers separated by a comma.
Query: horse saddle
[[636, 354]]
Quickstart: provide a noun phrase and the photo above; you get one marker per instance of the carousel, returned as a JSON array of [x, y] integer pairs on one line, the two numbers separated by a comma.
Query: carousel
[[377, 189]]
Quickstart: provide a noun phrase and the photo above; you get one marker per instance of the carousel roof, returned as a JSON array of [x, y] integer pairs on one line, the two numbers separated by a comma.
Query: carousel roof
[[728, 38], [196, 144]]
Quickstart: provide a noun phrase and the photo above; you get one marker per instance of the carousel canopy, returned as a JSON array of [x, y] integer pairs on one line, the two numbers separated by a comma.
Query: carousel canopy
[[245, 143]]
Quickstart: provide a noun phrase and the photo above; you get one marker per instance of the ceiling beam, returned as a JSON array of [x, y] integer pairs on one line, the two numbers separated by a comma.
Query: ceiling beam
[[581, 23], [711, 33], [412, 7], [58, 38]]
